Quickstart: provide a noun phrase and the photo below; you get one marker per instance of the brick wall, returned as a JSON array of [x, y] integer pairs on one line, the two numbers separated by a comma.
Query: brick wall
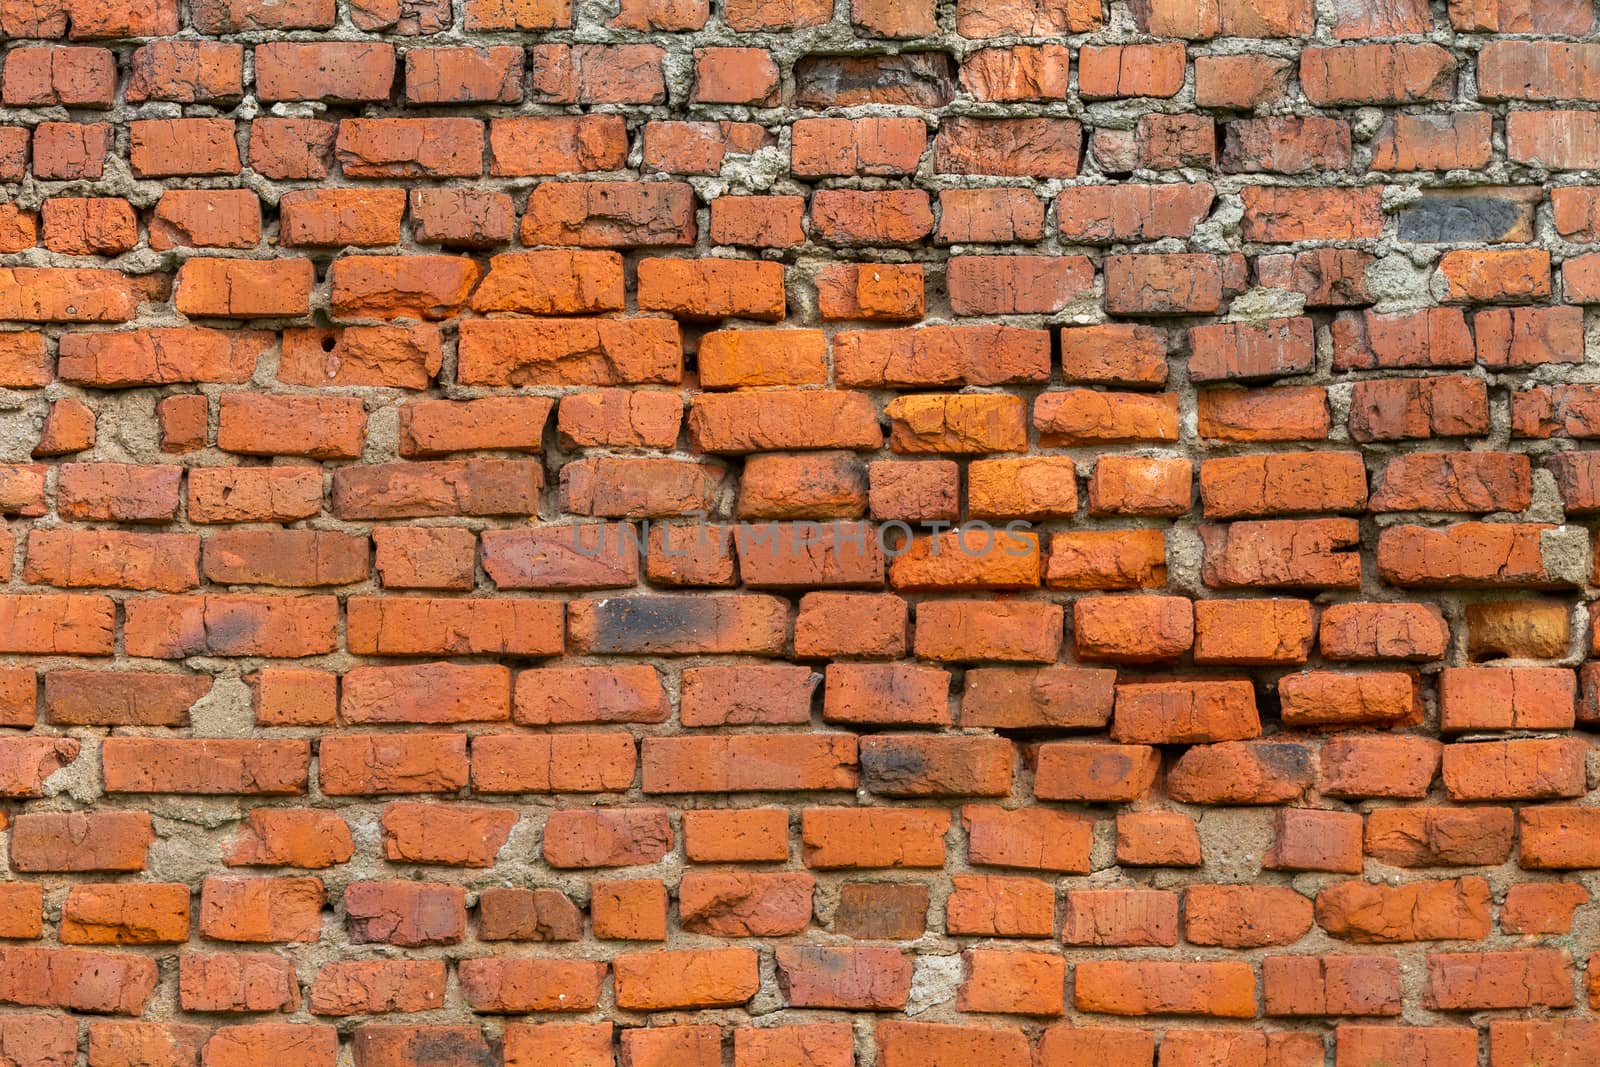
[[372, 697]]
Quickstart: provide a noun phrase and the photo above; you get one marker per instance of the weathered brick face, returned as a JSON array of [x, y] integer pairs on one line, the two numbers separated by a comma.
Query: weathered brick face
[[477, 485]]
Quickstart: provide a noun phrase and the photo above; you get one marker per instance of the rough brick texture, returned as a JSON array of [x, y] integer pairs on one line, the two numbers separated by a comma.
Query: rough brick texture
[[476, 484]]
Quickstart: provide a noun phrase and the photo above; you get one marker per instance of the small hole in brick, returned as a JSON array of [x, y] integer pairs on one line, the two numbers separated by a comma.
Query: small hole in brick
[[328, 342]]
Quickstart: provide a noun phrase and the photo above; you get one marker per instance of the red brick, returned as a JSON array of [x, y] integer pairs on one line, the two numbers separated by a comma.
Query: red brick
[[1022, 72], [655, 981], [1240, 916], [1376, 74], [89, 558], [160, 148], [1167, 283], [1520, 338], [1021, 983], [1555, 837], [1053, 696], [74, 979], [789, 420], [1243, 772], [1327, 698], [1418, 911], [1120, 917], [80, 841], [1153, 987], [1495, 276], [464, 75], [261, 910], [254, 494], [1360, 1045], [362, 765], [1094, 772], [1331, 985], [1132, 629], [989, 285], [204, 766], [291, 148], [1045, 147], [1133, 485], [1541, 908], [524, 985], [947, 766], [1104, 214], [1434, 337], [446, 487], [1028, 18], [71, 151], [232, 16], [66, 77], [408, 914], [758, 221], [747, 835], [1466, 981], [373, 986], [877, 291], [1240, 81], [900, 693], [996, 215], [691, 1046], [842, 147], [1252, 632], [1513, 1042], [875, 978], [813, 1044], [556, 145], [289, 837], [326, 70], [849, 218], [598, 73], [45, 294], [1277, 214], [609, 214], [144, 914], [1377, 765], [711, 288], [1311, 840], [566, 763], [468, 218], [1326, 277], [238, 288], [1286, 145], [1488, 698], [1130, 70], [735, 76], [1468, 553], [243, 981], [14, 152], [837, 838], [121, 698], [518, 14], [404, 148], [1457, 141], [56, 624], [187, 72], [578, 1044], [1394, 409], [745, 905], [398, 1046], [222, 218], [957, 423]]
